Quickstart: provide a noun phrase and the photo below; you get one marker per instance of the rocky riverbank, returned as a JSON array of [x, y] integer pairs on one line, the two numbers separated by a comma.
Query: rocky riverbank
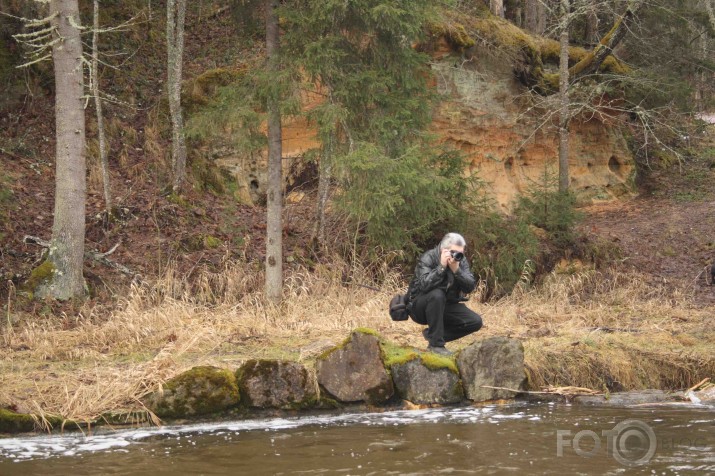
[[364, 370]]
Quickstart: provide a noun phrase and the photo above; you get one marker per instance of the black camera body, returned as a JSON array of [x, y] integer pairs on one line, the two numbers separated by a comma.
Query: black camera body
[[456, 255]]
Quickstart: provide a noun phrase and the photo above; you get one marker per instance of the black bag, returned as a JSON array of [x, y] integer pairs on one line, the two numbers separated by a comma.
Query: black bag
[[399, 307]]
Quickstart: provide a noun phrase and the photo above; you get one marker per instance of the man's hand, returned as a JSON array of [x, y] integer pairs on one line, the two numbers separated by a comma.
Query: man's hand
[[445, 258], [453, 264]]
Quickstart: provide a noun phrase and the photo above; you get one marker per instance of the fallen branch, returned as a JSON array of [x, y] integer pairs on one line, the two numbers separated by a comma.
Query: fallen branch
[[564, 391], [698, 385], [33, 240], [90, 255]]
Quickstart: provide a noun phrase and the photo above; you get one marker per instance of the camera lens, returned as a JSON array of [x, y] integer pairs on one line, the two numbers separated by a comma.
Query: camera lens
[[457, 255]]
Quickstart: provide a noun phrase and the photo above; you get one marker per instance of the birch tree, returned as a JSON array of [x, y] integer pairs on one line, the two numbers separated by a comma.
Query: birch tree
[[175, 18]]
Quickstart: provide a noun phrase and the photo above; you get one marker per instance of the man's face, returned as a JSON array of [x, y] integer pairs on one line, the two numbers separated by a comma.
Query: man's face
[[456, 248]]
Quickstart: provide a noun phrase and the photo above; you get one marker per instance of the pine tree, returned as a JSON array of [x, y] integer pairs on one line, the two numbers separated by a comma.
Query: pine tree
[[66, 257]]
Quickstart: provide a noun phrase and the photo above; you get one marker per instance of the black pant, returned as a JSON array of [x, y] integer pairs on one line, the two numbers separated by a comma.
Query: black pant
[[446, 321]]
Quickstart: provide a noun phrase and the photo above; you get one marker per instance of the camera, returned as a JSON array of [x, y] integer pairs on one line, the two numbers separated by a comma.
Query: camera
[[456, 255]]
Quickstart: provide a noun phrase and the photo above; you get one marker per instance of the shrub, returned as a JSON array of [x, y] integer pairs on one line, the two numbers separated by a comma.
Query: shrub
[[545, 207]]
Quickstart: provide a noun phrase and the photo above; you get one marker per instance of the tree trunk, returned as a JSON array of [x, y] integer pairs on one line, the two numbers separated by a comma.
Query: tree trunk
[[534, 16], [497, 7], [100, 118], [66, 255], [564, 98], [591, 34], [175, 18], [325, 175], [274, 226]]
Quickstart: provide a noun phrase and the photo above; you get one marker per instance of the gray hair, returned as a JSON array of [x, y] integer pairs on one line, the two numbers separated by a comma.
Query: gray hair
[[452, 239]]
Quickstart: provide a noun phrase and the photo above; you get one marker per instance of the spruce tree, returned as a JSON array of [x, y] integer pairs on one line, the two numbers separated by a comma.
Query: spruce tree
[[360, 56]]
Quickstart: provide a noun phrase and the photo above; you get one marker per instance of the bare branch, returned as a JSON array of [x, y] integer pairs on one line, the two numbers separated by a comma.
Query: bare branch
[[39, 60]]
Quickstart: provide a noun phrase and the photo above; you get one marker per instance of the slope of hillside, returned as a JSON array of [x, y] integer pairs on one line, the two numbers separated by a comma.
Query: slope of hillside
[[668, 232]]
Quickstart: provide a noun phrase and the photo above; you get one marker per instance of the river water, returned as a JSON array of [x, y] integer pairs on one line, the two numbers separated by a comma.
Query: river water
[[513, 439]]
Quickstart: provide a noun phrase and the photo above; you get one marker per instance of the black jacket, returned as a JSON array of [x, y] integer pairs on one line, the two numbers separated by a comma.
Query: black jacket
[[429, 274]]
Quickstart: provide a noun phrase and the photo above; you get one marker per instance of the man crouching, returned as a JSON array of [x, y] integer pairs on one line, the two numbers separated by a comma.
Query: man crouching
[[442, 278]]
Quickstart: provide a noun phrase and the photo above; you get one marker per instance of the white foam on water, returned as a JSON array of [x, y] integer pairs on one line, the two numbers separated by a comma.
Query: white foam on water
[[40, 447]]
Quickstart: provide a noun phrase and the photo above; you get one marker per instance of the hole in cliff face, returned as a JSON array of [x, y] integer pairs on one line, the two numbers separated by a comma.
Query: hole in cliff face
[[589, 164], [254, 185], [509, 167], [614, 165]]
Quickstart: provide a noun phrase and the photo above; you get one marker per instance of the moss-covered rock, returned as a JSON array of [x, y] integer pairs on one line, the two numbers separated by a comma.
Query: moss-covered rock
[[419, 383], [422, 377], [198, 391], [12, 422], [276, 384], [354, 371], [40, 278]]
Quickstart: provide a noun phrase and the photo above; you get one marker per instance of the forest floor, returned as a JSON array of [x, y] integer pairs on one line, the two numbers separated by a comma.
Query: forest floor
[[668, 230], [642, 322]]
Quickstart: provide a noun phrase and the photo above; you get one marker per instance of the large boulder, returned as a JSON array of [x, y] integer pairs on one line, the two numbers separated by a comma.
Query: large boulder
[[354, 372], [424, 381], [276, 384], [495, 362], [198, 391]]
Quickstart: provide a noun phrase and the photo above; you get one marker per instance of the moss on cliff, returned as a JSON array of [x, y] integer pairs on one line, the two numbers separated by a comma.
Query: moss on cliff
[[200, 90], [528, 53]]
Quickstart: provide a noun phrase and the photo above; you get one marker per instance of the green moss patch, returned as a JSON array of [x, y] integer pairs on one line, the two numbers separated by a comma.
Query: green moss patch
[[198, 391], [12, 422], [200, 242], [368, 331], [199, 90], [396, 355], [39, 276]]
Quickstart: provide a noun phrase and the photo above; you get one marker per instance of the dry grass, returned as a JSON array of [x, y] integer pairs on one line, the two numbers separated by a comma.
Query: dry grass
[[589, 330]]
